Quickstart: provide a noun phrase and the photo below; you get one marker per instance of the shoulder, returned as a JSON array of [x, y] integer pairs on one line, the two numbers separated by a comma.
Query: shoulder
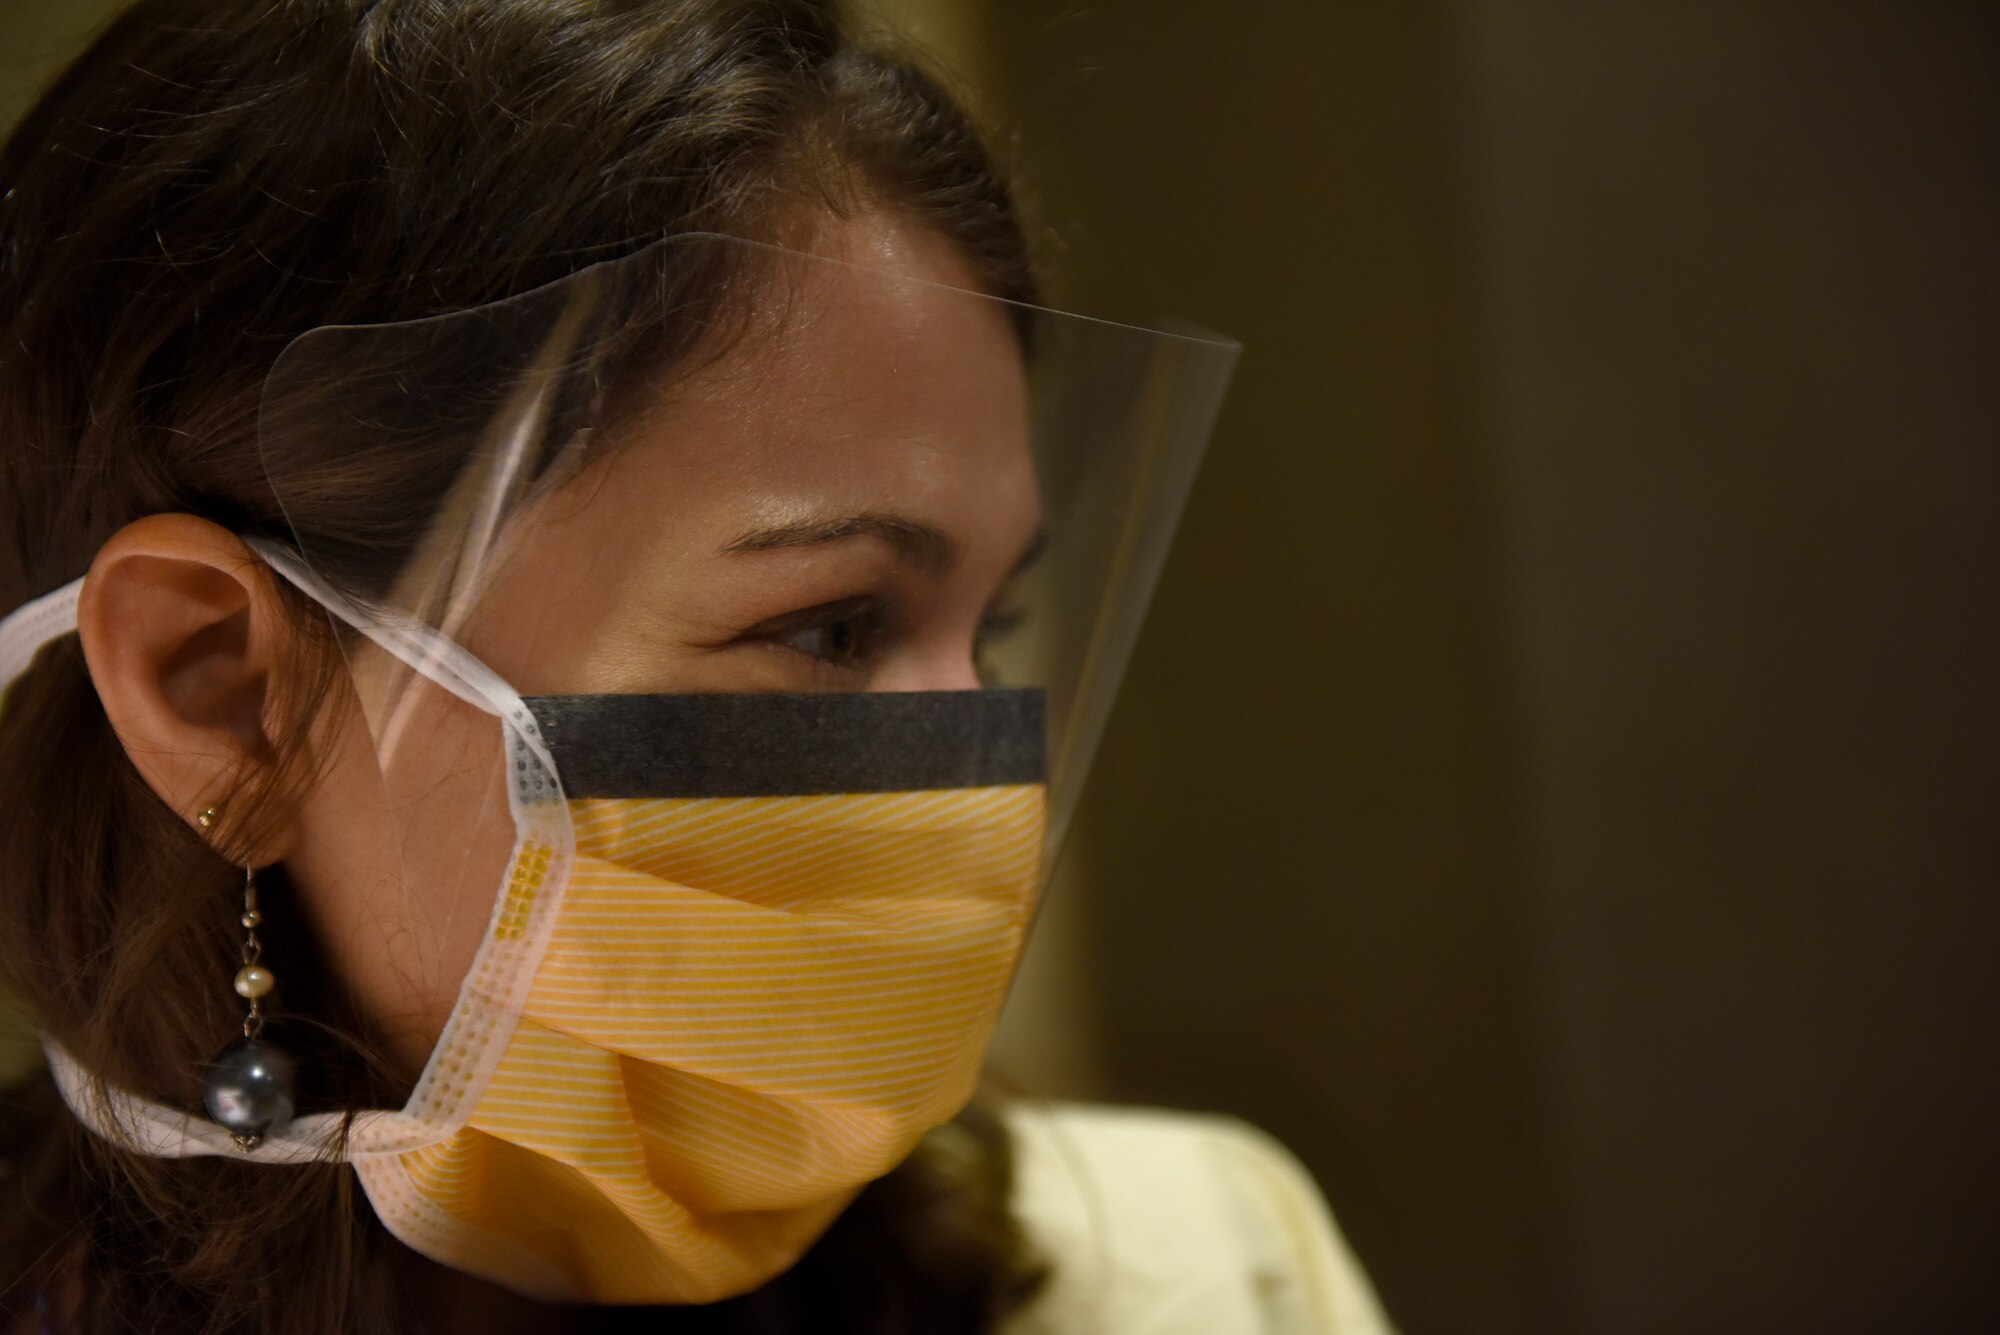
[[1172, 1222]]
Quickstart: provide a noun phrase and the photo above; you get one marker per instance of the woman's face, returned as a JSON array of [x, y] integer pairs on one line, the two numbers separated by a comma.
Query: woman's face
[[838, 504]]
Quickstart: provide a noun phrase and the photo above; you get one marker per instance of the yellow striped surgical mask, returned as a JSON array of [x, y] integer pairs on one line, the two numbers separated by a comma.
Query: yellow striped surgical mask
[[757, 995]]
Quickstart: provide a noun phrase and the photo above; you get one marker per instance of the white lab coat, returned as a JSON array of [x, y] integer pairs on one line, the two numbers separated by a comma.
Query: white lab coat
[[1161, 1223]]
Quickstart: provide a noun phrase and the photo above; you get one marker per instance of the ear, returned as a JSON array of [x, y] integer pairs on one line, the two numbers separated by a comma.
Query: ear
[[183, 630]]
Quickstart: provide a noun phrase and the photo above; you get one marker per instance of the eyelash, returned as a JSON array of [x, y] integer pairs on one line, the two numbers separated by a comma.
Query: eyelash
[[864, 615], [871, 621]]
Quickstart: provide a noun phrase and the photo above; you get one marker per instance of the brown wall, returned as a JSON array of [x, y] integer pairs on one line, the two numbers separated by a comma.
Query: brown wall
[[1557, 789], [1740, 415], [36, 38], [1298, 885]]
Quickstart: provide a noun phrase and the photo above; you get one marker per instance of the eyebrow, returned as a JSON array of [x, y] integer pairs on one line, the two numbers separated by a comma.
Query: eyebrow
[[924, 545]]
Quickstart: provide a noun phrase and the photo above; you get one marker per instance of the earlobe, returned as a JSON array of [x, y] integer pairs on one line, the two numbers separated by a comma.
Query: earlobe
[[183, 631]]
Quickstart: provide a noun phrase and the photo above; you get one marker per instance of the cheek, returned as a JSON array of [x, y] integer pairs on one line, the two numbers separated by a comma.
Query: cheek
[[401, 846], [946, 663]]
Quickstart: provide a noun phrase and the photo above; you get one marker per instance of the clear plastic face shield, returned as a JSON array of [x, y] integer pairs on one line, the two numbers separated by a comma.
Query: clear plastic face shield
[[721, 680], [588, 486]]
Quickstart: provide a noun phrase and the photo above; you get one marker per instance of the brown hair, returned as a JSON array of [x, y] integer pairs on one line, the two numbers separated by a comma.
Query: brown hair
[[212, 179]]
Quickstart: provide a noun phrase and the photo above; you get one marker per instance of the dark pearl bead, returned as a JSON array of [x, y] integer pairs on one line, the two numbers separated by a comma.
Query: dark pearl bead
[[248, 1088]]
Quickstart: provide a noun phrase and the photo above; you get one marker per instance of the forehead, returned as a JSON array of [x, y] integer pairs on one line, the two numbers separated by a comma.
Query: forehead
[[868, 381], [869, 372]]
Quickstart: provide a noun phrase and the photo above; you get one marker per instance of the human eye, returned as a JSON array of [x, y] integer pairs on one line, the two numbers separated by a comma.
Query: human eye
[[837, 635]]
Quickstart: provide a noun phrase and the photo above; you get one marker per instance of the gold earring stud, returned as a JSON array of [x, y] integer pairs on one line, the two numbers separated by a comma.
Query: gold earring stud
[[206, 819]]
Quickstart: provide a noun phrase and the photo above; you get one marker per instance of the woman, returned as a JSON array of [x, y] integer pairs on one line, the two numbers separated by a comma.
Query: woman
[[516, 511]]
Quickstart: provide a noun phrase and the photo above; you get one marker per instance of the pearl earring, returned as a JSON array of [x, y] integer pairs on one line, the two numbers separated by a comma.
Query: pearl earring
[[248, 1087]]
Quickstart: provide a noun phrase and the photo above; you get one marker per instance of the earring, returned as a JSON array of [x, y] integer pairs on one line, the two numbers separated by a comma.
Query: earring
[[248, 1087]]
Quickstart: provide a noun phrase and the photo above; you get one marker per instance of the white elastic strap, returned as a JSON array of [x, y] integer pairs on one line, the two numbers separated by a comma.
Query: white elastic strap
[[153, 1129], [419, 647], [422, 649], [164, 1133], [28, 627], [32, 625]]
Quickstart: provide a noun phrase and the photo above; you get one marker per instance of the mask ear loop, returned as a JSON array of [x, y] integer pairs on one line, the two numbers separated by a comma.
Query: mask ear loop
[[495, 989], [442, 1100], [30, 626]]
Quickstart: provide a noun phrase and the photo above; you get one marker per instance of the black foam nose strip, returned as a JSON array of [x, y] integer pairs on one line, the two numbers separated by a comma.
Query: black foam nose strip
[[792, 745]]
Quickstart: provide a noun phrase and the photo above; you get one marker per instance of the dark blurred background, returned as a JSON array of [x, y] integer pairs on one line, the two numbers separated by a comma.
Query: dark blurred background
[[1557, 790]]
